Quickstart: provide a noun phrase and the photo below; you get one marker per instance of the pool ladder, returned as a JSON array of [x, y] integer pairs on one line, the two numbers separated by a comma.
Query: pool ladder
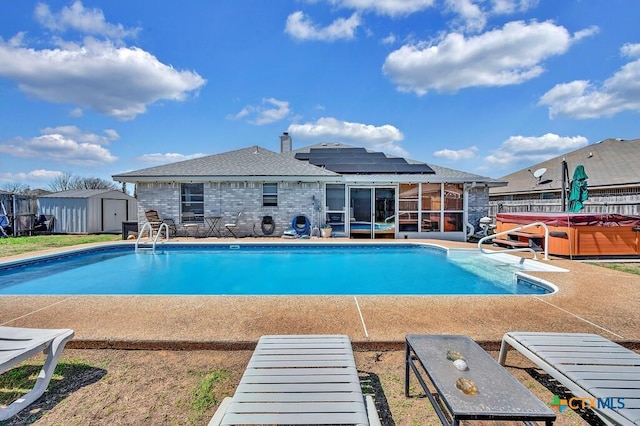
[[147, 227]]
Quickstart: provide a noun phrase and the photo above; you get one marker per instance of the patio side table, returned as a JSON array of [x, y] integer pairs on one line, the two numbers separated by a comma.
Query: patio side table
[[212, 222], [499, 395]]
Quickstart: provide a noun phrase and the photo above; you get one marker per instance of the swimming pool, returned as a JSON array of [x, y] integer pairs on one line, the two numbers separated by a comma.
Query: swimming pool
[[274, 269]]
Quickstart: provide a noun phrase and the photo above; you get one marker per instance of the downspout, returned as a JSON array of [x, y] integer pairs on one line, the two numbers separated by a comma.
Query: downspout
[[465, 208]]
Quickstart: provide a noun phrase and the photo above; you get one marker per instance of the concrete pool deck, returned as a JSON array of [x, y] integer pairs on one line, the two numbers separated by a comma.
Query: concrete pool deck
[[590, 299]]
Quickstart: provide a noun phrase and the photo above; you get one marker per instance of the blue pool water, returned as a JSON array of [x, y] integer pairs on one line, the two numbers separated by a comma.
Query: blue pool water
[[265, 270]]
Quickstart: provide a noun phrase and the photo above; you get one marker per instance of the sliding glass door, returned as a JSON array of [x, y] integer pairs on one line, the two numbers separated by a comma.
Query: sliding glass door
[[372, 212]]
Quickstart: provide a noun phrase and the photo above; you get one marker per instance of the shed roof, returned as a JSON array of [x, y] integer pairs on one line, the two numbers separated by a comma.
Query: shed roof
[[611, 162], [84, 193]]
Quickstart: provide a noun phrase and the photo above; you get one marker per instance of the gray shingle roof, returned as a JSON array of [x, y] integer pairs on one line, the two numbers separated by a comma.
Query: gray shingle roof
[[611, 162], [260, 162], [252, 161]]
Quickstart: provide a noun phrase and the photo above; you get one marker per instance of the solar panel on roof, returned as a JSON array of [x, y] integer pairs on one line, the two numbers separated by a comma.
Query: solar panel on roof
[[358, 160]]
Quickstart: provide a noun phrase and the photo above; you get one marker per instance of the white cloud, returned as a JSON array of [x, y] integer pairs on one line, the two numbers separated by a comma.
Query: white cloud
[[470, 13], [301, 27], [72, 132], [66, 145], [386, 7], [35, 176], [169, 157], [630, 50], [583, 99], [390, 39], [328, 129], [87, 21], [456, 155], [504, 7], [101, 75], [506, 56], [587, 32], [533, 149], [270, 111]]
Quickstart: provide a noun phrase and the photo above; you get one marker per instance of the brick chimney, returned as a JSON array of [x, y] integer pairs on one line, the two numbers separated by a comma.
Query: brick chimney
[[285, 142]]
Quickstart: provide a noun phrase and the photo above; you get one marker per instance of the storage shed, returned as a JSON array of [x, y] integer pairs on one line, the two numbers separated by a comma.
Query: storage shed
[[88, 211]]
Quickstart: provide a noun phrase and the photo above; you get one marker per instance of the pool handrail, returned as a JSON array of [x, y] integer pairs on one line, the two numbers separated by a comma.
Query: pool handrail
[[147, 227], [166, 234], [520, 228]]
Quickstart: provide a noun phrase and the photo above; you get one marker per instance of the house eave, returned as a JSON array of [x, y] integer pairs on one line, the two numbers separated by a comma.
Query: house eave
[[253, 178]]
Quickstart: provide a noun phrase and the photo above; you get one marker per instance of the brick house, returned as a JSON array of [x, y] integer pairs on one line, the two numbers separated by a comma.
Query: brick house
[[359, 193]]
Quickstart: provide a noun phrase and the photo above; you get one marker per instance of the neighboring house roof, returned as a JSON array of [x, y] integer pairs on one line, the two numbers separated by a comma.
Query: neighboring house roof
[[611, 162], [239, 164], [82, 193]]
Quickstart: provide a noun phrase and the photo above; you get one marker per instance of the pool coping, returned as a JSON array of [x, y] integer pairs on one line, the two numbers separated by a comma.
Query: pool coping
[[590, 299]]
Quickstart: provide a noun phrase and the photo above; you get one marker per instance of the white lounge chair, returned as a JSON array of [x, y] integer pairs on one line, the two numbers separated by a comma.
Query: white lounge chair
[[590, 366], [299, 379], [20, 344]]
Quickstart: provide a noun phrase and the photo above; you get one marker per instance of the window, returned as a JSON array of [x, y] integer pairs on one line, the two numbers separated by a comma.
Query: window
[[269, 194], [335, 197], [192, 202], [408, 207], [453, 196], [335, 206], [453, 206]]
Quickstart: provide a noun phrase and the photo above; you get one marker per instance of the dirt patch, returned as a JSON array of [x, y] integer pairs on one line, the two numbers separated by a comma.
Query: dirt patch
[[120, 387]]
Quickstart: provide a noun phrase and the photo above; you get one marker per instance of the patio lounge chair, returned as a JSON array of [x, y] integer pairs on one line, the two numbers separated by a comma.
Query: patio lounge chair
[[590, 366], [154, 219], [299, 379], [20, 344]]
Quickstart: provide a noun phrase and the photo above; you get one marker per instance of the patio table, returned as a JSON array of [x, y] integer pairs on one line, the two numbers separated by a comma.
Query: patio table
[[499, 395], [212, 222], [191, 229]]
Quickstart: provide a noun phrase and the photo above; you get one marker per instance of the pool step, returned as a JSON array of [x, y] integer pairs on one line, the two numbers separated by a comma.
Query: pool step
[[518, 239]]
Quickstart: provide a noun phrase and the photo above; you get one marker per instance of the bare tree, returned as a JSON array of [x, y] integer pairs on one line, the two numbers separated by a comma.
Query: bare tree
[[61, 182], [16, 188], [67, 181]]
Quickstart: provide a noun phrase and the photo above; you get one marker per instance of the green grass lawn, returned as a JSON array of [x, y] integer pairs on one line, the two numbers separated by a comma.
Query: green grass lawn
[[18, 245], [632, 268]]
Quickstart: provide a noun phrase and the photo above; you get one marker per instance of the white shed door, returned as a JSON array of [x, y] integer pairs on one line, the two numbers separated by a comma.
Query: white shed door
[[114, 212]]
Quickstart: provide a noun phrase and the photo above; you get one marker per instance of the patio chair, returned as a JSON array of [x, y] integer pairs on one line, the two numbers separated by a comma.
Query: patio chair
[[154, 219], [595, 369], [19, 344], [231, 227], [299, 379]]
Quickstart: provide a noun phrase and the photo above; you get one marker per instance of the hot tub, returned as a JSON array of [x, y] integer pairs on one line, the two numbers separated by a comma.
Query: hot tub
[[581, 234]]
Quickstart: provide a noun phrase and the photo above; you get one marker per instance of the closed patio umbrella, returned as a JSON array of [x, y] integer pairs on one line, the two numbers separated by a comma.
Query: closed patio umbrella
[[579, 193]]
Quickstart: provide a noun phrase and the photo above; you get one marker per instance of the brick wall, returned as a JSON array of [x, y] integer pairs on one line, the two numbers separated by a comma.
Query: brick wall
[[227, 199]]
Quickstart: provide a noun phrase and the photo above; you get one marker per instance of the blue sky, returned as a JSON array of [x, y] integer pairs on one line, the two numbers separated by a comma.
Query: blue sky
[[96, 88]]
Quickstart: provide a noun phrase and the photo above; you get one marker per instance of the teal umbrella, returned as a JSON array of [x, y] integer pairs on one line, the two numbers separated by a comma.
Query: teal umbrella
[[579, 193]]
